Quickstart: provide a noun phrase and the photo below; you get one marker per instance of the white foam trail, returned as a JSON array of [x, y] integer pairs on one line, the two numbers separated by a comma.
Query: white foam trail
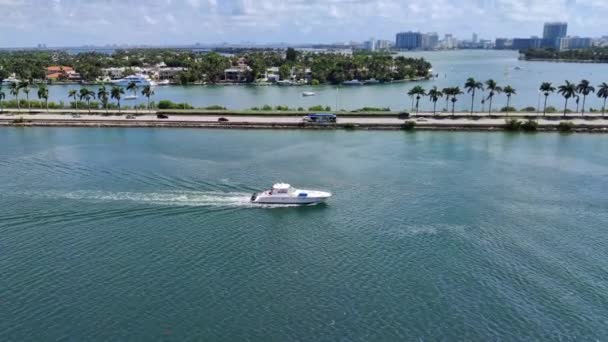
[[169, 198], [182, 198]]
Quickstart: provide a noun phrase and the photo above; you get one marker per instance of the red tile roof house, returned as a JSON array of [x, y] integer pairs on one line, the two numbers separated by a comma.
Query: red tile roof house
[[62, 73]]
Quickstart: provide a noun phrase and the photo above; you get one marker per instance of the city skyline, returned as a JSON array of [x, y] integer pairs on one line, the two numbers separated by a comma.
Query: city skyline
[[27, 23]]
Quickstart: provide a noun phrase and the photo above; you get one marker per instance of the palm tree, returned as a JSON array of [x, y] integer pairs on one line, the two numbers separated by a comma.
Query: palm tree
[[26, 89], [411, 95], [87, 95], [547, 88], [14, 89], [434, 94], [472, 85], [2, 96], [578, 98], [602, 93], [585, 89], [447, 92], [102, 95], [494, 89], [115, 93], [132, 86], [418, 91], [455, 92], [148, 91], [567, 90], [509, 91], [73, 93], [43, 93]]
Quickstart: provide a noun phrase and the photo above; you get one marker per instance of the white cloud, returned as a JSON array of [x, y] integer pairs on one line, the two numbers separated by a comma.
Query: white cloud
[[69, 22]]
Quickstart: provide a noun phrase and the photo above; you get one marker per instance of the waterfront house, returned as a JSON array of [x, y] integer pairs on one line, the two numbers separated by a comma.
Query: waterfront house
[[61, 72], [237, 73], [273, 74], [167, 73]]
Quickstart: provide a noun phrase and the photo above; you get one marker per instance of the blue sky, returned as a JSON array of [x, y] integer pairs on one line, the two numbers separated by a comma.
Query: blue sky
[[77, 22]]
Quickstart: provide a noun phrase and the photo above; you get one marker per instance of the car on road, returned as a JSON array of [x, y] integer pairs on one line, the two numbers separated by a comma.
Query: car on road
[[130, 116], [162, 116], [75, 115], [222, 119], [320, 118], [404, 115]]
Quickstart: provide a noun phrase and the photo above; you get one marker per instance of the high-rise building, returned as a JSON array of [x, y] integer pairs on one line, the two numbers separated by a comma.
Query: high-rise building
[[408, 40], [449, 42], [475, 38], [571, 43], [370, 45], [553, 32], [430, 41], [383, 44]]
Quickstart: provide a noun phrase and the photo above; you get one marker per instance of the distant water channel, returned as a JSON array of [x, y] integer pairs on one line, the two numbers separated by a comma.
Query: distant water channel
[[453, 67], [147, 234]]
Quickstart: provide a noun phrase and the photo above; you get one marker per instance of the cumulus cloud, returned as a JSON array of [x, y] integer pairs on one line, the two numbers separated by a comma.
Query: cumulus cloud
[[70, 22]]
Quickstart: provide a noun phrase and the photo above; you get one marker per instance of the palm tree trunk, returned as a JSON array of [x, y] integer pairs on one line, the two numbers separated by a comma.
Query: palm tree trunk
[[417, 104], [508, 102], [434, 107], [545, 108], [490, 106], [46, 104], [27, 98], [604, 107], [565, 107], [148, 103], [18, 104], [453, 108], [583, 110], [472, 102], [118, 105]]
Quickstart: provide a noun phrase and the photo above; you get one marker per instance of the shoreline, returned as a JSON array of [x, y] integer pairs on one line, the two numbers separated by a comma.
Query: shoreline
[[424, 121]]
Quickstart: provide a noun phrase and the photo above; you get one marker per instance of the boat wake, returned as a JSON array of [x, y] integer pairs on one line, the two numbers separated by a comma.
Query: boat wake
[[169, 198]]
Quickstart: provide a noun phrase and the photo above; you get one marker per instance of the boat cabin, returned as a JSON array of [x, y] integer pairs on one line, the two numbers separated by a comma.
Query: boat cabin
[[281, 188]]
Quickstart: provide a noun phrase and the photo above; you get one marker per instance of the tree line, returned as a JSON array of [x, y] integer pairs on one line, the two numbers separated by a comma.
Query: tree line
[[103, 94], [209, 66], [568, 90]]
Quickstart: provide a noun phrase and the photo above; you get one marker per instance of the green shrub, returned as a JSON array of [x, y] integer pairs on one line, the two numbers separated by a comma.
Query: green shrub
[[255, 108], [568, 110], [551, 109], [508, 109], [565, 126], [530, 126], [373, 109], [315, 82], [408, 125], [215, 107], [281, 108], [327, 108], [300, 109], [316, 108], [512, 125], [349, 126], [267, 108], [166, 104], [529, 109]]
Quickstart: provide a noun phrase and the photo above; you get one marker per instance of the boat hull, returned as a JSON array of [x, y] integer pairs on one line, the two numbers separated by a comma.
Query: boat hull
[[313, 197]]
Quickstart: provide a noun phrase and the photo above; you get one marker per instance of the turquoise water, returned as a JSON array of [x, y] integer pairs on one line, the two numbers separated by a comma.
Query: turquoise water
[[453, 67], [146, 234]]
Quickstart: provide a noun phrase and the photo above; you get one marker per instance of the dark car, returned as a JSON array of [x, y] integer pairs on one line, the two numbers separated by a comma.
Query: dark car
[[404, 115], [222, 120], [162, 116]]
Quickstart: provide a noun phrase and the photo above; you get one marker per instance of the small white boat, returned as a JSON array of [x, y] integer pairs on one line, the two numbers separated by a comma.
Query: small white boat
[[130, 97], [352, 83], [163, 83], [282, 193], [308, 93]]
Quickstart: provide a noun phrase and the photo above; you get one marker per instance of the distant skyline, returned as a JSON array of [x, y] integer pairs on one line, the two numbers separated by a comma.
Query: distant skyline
[[27, 23]]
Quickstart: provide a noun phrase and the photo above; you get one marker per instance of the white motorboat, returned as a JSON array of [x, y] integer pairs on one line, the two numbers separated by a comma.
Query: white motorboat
[[282, 193], [139, 80], [130, 97], [308, 93]]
